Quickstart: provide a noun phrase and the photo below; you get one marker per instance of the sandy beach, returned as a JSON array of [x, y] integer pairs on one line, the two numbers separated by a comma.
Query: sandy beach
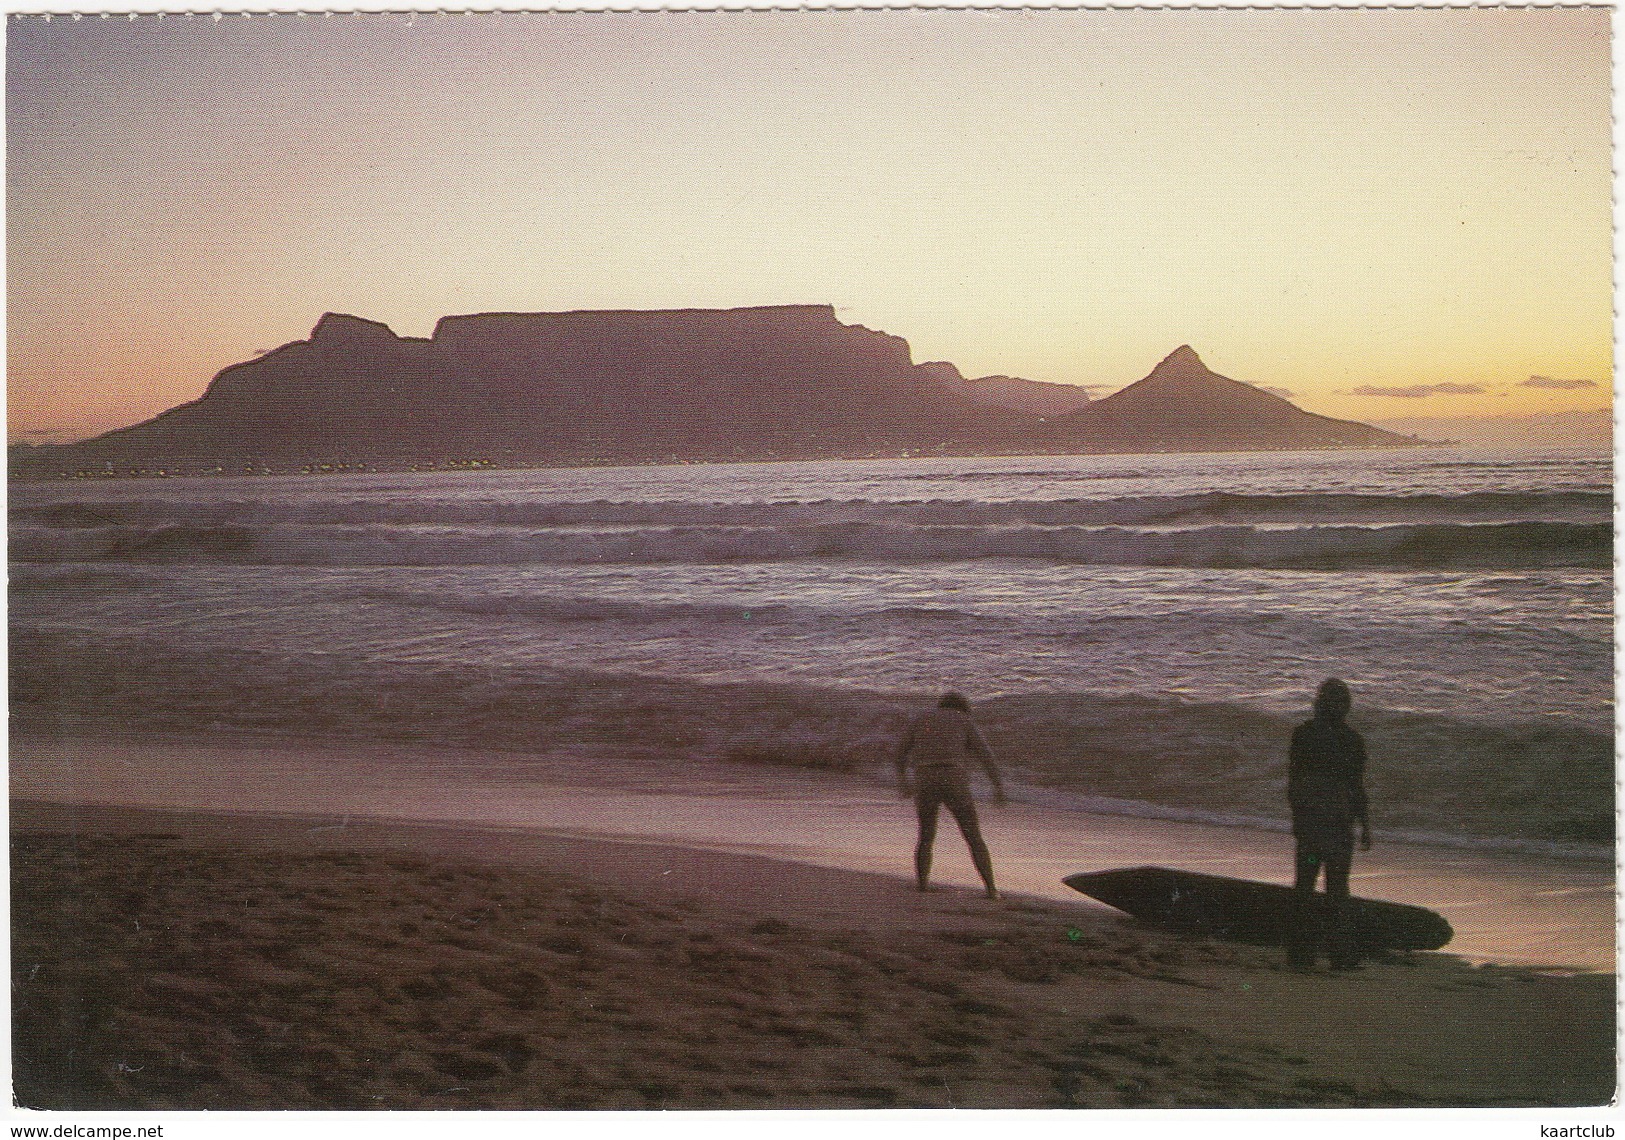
[[232, 923]]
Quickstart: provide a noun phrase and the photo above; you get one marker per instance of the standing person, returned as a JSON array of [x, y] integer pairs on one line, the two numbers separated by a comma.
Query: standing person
[[1326, 788], [936, 745]]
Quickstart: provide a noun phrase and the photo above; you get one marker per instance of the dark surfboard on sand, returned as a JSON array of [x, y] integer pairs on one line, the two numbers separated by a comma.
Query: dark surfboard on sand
[[1240, 910]]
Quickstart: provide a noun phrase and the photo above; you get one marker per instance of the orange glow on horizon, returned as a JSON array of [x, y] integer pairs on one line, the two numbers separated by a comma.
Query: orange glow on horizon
[[1385, 213]]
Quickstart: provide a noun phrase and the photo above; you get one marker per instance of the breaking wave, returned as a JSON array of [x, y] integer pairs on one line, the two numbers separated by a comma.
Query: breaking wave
[[1183, 511], [1140, 650], [1420, 546], [1534, 785]]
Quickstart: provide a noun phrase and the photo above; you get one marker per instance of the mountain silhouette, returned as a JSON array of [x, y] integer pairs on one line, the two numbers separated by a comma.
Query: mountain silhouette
[[1185, 406], [1035, 397], [674, 385]]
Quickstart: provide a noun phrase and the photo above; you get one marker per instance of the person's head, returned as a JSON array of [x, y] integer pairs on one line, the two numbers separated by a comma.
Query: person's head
[[1333, 701], [954, 701]]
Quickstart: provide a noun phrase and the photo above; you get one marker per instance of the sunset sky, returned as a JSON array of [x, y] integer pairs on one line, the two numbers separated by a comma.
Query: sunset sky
[[1385, 213]]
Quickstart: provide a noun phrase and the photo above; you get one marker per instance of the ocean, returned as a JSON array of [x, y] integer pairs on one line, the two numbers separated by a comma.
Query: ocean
[[1137, 634]]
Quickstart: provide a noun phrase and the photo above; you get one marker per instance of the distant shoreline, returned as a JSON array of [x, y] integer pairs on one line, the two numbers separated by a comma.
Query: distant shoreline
[[189, 469]]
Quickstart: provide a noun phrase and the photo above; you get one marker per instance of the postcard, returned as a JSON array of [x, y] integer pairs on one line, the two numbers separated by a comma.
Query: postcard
[[810, 560]]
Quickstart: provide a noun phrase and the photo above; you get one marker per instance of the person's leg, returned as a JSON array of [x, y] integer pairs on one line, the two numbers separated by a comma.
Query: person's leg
[[1340, 934], [1306, 870], [964, 809], [1305, 935], [926, 802]]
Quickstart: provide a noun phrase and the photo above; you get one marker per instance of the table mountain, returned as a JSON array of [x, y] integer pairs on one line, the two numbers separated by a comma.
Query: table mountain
[[791, 381]]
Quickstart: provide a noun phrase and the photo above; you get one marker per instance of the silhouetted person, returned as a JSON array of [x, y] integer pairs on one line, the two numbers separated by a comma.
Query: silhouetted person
[[937, 746], [1326, 788]]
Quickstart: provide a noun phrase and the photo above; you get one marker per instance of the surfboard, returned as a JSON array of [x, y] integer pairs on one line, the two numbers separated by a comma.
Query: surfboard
[[1240, 910]]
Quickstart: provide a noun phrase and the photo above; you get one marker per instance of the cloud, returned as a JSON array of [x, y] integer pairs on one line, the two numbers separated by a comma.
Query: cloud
[[1417, 391], [1554, 382], [1284, 393]]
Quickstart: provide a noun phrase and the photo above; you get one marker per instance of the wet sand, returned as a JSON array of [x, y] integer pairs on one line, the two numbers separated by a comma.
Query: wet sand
[[335, 926], [1505, 908]]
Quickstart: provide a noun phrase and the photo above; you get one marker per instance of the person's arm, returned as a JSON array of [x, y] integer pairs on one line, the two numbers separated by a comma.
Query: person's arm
[[1357, 790], [1294, 764], [978, 748], [903, 747]]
